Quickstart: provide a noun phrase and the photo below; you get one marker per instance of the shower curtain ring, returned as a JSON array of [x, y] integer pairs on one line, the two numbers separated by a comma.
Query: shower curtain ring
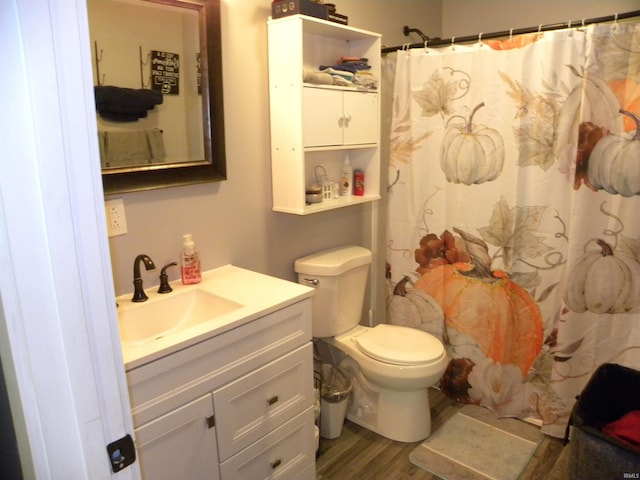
[[539, 30], [480, 38], [453, 43], [615, 22], [426, 42], [569, 27]]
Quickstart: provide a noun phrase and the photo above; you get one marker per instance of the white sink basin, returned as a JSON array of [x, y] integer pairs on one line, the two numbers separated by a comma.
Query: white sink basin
[[171, 313], [226, 298]]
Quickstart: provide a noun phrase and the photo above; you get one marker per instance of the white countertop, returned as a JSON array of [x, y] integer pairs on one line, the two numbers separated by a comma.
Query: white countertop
[[258, 294]]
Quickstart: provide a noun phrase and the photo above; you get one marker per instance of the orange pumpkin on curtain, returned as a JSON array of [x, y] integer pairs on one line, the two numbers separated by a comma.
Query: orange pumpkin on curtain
[[498, 314]]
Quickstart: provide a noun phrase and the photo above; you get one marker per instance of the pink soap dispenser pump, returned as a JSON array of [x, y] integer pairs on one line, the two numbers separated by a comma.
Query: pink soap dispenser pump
[[190, 261]]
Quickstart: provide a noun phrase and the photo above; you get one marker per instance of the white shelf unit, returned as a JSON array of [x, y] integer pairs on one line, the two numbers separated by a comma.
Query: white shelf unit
[[318, 125]]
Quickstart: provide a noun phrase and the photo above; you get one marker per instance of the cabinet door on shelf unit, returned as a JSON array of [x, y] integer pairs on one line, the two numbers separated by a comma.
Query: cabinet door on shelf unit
[[361, 117], [335, 117], [321, 117]]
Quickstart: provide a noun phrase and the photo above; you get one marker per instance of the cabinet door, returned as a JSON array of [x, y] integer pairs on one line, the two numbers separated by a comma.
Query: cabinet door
[[322, 118], [179, 444], [336, 117], [360, 113]]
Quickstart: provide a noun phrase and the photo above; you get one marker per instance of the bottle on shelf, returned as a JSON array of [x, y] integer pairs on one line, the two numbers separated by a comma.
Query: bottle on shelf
[[346, 179], [358, 182]]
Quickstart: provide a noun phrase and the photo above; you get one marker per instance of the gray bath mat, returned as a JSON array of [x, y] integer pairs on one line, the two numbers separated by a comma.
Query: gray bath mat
[[474, 444]]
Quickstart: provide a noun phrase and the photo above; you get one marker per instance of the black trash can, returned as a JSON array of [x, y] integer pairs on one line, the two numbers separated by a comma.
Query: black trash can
[[611, 393]]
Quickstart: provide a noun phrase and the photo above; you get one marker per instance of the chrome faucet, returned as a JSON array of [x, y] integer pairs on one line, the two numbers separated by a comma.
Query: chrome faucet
[[138, 293]]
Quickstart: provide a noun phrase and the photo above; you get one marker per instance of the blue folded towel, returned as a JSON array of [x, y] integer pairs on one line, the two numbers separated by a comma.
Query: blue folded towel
[[348, 67]]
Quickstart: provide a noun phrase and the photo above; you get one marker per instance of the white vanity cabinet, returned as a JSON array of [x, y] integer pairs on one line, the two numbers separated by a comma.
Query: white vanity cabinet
[[316, 125], [238, 405]]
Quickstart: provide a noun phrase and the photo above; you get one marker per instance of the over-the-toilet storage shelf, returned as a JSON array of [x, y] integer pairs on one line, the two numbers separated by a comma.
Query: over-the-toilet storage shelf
[[307, 120]]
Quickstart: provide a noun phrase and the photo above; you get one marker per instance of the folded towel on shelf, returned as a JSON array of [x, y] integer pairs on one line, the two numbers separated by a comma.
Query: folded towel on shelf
[[352, 67], [120, 104], [343, 76], [318, 78], [352, 59], [341, 73], [131, 148], [365, 80], [341, 81]]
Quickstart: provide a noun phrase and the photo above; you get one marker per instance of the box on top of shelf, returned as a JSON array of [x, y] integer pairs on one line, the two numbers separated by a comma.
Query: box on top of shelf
[[284, 8], [337, 18]]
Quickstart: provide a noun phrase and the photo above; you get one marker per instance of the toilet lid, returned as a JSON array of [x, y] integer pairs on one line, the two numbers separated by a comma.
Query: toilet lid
[[400, 345]]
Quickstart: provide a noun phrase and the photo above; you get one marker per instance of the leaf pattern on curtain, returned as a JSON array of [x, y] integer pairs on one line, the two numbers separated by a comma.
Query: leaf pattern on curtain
[[513, 232]]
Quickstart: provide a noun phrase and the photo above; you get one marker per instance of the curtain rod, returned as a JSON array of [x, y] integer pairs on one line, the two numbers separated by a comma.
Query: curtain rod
[[515, 31]]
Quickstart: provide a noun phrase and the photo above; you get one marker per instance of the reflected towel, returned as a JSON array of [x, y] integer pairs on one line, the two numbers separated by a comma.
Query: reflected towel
[[125, 149], [125, 104]]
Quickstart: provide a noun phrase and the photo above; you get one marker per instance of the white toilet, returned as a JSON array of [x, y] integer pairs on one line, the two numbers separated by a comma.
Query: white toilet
[[392, 366]]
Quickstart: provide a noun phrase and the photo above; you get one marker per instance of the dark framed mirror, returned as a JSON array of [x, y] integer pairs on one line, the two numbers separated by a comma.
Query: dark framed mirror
[[159, 94]]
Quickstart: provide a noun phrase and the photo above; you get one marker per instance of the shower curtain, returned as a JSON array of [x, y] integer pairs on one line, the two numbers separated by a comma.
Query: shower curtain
[[513, 231]]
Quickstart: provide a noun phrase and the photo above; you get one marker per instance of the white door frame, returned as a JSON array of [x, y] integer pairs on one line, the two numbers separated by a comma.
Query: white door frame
[[59, 340]]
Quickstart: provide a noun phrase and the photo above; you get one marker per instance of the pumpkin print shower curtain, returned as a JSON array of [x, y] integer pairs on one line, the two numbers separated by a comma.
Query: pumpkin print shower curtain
[[514, 212]]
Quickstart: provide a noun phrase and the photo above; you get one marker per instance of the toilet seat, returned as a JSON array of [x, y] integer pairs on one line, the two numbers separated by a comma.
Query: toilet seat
[[399, 345]]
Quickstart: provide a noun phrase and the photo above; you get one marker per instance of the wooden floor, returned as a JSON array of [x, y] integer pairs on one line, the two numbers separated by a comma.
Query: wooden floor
[[363, 455]]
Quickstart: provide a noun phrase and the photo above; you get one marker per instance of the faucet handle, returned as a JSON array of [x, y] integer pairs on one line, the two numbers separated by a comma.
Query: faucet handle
[[164, 279]]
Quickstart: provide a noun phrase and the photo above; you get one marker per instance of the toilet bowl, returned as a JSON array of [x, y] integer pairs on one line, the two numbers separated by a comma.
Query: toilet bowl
[[392, 366], [397, 357]]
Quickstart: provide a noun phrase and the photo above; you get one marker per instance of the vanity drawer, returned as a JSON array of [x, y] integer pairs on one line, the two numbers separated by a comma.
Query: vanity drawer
[[176, 379], [255, 404], [287, 453]]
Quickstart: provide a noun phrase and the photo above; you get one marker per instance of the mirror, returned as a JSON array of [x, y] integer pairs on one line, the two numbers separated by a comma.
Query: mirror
[[157, 68]]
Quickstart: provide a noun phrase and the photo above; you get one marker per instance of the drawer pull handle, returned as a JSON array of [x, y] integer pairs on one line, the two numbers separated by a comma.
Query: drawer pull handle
[[211, 421], [272, 400], [275, 464]]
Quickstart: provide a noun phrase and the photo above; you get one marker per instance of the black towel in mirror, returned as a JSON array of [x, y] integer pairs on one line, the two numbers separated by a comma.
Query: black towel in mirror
[[120, 104]]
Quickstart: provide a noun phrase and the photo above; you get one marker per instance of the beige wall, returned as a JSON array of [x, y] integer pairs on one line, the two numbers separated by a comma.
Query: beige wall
[[388, 18], [232, 221]]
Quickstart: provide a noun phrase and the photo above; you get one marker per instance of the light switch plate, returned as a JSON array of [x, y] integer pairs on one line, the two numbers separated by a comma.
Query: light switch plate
[[116, 219]]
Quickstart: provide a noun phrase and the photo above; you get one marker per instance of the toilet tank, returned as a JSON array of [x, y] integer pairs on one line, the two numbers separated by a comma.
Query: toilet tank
[[339, 276]]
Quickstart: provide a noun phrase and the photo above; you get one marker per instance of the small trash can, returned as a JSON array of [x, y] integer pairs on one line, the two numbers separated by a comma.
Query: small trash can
[[609, 395], [334, 396]]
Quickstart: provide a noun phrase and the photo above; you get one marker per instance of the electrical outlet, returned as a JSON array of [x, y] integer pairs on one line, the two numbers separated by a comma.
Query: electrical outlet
[[116, 220]]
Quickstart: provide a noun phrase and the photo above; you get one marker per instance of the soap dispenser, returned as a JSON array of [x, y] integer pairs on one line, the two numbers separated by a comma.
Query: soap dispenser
[[190, 261]]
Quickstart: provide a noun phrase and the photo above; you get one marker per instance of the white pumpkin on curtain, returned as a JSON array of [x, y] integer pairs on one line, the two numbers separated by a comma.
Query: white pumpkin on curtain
[[513, 207]]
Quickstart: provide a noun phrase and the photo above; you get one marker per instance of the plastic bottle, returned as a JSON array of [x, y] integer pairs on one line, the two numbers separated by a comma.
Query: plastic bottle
[[190, 261], [358, 182], [346, 180]]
